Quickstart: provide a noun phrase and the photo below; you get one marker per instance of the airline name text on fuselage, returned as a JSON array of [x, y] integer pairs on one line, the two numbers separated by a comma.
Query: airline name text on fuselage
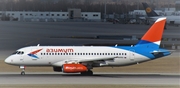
[[60, 50]]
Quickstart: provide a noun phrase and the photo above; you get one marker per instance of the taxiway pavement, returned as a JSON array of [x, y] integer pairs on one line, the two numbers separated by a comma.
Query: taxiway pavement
[[97, 78]]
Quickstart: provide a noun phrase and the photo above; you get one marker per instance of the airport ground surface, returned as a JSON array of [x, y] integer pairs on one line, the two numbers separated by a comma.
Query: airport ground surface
[[14, 35]]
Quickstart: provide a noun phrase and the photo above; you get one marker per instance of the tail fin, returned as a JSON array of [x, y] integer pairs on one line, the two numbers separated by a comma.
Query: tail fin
[[149, 11], [152, 37]]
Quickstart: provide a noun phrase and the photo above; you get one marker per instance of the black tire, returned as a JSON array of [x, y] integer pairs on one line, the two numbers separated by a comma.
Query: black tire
[[90, 73], [62, 68], [23, 73], [87, 73], [83, 73]]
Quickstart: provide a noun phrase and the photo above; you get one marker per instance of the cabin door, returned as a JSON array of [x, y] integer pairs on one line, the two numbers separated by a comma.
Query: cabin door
[[131, 55]]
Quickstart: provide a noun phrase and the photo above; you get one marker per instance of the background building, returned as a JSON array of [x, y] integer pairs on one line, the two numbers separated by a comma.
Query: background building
[[71, 15], [177, 5]]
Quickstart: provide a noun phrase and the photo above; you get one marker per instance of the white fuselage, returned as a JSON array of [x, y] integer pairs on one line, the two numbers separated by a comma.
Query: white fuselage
[[175, 19], [58, 55]]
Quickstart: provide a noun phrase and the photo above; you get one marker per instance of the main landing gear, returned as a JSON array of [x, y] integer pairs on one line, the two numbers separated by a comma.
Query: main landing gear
[[23, 70], [87, 73]]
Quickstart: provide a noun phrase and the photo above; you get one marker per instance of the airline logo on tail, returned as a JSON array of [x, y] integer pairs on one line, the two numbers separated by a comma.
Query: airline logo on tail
[[148, 10], [32, 54]]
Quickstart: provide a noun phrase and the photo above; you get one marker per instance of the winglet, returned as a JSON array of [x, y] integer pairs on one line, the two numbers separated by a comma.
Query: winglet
[[154, 34]]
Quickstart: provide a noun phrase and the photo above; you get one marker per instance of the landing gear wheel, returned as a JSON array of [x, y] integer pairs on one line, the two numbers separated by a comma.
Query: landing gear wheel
[[83, 73], [23, 70], [87, 73], [22, 73], [90, 72]]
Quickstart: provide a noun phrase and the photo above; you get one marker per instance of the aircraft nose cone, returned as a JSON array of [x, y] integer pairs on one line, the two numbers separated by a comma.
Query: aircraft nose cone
[[7, 60]]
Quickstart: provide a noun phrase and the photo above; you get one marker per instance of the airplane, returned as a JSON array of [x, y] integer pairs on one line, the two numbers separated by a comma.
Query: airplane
[[152, 16], [81, 59]]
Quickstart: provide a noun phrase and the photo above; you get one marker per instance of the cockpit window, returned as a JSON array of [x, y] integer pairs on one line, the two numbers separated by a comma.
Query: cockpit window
[[18, 52], [22, 52], [15, 52]]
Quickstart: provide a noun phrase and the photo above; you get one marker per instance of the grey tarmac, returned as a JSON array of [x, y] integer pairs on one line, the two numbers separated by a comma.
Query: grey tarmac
[[97, 78]]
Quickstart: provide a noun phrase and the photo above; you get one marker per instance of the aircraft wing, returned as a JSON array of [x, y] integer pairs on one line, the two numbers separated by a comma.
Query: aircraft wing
[[78, 60], [95, 59]]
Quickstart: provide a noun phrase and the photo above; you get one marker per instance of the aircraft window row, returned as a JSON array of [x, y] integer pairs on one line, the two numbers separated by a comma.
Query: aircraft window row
[[40, 14], [18, 52], [83, 53]]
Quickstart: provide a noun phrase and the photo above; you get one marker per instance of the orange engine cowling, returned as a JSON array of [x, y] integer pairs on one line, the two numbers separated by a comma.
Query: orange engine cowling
[[74, 68]]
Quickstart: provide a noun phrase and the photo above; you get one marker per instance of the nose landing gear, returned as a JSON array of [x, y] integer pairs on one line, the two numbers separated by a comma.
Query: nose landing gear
[[23, 70]]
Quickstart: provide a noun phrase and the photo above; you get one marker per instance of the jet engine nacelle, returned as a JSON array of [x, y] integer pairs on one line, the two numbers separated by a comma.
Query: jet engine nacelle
[[73, 68]]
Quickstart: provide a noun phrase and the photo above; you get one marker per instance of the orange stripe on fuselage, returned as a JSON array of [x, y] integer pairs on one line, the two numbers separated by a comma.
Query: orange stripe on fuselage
[[154, 34]]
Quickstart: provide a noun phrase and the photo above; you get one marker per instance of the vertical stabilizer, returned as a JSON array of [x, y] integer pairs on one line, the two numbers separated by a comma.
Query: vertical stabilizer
[[149, 11], [153, 36]]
